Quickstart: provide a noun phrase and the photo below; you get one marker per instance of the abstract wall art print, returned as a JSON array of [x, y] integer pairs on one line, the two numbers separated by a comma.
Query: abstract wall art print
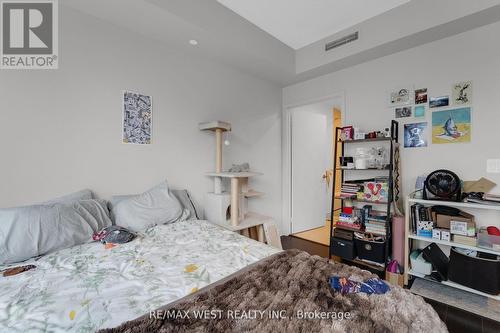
[[451, 126], [137, 118], [462, 93]]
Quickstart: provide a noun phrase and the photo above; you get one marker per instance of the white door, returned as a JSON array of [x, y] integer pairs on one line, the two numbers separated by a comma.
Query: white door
[[310, 147]]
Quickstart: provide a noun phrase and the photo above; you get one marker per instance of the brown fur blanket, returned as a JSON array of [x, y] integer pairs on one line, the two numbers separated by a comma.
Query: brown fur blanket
[[289, 292]]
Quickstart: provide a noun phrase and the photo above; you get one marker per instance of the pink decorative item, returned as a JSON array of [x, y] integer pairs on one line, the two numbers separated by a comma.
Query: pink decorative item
[[398, 236]]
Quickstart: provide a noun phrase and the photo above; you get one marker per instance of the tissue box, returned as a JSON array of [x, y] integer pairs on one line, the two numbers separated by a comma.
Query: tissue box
[[436, 234], [445, 235], [425, 229]]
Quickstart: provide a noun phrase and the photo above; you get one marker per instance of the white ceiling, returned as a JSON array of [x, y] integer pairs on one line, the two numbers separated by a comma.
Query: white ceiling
[[298, 23]]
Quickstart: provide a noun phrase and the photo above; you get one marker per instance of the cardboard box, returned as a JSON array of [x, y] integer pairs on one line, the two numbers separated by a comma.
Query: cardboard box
[[443, 221], [394, 278], [463, 228]]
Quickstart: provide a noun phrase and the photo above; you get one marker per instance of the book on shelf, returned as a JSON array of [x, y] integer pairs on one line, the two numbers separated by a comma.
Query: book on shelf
[[352, 226], [422, 220], [465, 240]]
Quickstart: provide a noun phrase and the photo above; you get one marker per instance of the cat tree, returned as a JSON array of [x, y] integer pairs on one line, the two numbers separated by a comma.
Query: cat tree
[[230, 209]]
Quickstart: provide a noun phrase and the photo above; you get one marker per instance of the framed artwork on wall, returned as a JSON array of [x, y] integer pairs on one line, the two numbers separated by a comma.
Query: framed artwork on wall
[[137, 118], [421, 96], [462, 93], [419, 111], [401, 96], [415, 135], [439, 102], [403, 112], [451, 126]]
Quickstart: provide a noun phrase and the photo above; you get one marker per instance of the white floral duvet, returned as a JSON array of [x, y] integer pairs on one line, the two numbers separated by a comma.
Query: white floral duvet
[[89, 287]]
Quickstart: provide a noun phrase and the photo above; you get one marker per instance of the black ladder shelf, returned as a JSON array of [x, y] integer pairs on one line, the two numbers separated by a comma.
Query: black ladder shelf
[[392, 140]]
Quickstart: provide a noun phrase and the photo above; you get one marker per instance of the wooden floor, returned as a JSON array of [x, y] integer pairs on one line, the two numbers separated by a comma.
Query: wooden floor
[[457, 321], [318, 235]]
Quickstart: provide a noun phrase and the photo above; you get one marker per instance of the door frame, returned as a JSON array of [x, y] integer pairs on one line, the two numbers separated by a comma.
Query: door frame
[[286, 148]]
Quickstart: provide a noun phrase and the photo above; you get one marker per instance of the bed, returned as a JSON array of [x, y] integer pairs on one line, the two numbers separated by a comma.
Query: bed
[[173, 263], [89, 287]]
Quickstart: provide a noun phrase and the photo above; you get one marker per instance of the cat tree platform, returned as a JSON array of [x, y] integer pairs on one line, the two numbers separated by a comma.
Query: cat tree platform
[[229, 209]]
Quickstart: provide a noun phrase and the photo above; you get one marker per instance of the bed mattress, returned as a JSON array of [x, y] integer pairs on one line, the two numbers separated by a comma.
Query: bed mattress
[[90, 287]]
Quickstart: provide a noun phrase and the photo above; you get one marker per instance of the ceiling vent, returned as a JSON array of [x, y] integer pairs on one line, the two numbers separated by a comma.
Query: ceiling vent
[[342, 41]]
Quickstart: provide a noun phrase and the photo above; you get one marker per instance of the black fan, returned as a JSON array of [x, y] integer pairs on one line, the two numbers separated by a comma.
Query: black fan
[[444, 185]]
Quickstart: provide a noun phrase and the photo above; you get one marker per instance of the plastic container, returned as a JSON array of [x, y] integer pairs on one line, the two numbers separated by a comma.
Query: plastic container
[[491, 242]]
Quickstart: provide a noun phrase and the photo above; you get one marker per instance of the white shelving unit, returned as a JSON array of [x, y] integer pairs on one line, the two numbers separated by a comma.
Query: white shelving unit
[[456, 285], [457, 204], [454, 244], [409, 236]]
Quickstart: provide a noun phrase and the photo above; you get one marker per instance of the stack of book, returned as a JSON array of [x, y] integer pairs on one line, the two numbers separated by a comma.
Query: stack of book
[[348, 221], [350, 190], [421, 220], [375, 226]]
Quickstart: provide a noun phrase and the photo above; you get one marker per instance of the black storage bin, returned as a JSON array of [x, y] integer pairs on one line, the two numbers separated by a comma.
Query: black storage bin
[[343, 248], [476, 273], [368, 250]]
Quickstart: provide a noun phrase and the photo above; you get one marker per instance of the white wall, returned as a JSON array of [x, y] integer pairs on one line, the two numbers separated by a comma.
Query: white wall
[[474, 55], [61, 130]]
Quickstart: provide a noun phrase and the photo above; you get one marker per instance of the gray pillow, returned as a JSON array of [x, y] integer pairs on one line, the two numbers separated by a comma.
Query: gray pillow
[[31, 231], [139, 212], [80, 195], [186, 202], [181, 195]]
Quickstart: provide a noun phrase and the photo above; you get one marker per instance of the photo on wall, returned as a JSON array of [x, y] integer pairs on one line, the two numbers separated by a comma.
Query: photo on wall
[[400, 96], [421, 96], [415, 135], [137, 118], [419, 111], [451, 126], [403, 112], [462, 93], [439, 102]]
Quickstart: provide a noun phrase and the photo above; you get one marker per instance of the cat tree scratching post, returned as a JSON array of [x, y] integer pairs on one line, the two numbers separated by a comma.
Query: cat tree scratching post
[[230, 210]]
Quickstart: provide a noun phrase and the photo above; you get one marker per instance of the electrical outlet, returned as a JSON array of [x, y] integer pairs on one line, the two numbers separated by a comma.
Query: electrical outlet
[[493, 166]]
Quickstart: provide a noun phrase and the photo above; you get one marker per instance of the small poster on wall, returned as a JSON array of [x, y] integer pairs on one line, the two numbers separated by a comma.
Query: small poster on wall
[[439, 102], [451, 126], [419, 111], [462, 93], [137, 118], [421, 96], [415, 135], [403, 112], [400, 97]]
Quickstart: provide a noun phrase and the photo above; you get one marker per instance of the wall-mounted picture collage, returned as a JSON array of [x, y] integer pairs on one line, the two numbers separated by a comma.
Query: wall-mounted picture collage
[[439, 118]]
